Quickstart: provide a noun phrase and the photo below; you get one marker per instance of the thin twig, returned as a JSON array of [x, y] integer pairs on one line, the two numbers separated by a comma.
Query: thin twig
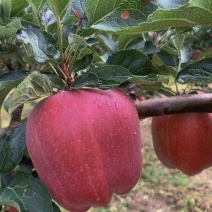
[[172, 105]]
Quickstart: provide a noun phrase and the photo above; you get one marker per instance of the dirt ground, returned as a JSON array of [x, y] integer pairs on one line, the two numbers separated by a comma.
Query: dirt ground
[[161, 189]]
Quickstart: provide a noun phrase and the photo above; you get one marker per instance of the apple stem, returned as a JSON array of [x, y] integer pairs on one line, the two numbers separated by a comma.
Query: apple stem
[[176, 104]]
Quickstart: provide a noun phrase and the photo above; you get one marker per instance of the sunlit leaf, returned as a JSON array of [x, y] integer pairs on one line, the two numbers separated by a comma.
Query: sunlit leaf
[[43, 45], [192, 14], [97, 9], [10, 29], [133, 60], [34, 86]]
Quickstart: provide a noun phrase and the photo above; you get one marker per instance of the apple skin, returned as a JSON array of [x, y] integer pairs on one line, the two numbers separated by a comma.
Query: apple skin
[[183, 141], [85, 145], [196, 54], [11, 209]]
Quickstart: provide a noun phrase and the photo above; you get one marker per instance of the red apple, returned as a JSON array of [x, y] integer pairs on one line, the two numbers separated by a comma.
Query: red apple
[[85, 145], [196, 54], [184, 141], [11, 209]]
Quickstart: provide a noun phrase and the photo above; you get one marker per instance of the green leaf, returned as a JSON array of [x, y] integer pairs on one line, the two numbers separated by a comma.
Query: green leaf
[[86, 79], [178, 42], [98, 9], [12, 144], [136, 13], [4, 92], [79, 5], [150, 48], [36, 5], [184, 16], [34, 86], [148, 87], [171, 4], [57, 82], [6, 179], [76, 39], [108, 43], [86, 32], [5, 9], [44, 47], [110, 75], [47, 16], [96, 56], [59, 7], [12, 77], [199, 72], [7, 103], [83, 63], [124, 40], [151, 79], [10, 29], [166, 58], [206, 53], [17, 7], [8, 81], [135, 61], [27, 193]]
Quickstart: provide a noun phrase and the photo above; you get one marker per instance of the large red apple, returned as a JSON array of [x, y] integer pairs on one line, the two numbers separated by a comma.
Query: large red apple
[[184, 141], [85, 145]]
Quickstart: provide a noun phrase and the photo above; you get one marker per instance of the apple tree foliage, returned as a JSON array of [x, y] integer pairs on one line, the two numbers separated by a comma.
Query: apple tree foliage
[[47, 46]]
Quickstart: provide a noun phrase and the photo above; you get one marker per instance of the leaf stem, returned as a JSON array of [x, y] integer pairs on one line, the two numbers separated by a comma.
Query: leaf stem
[[36, 12], [168, 41], [60, 40]]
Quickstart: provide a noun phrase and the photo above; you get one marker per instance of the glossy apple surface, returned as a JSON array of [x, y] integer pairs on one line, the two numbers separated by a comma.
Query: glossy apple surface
[[184, 141], [11, 209], [85, 145]]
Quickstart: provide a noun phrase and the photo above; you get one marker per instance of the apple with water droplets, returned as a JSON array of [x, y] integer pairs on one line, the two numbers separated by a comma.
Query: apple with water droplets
[[85, 145]]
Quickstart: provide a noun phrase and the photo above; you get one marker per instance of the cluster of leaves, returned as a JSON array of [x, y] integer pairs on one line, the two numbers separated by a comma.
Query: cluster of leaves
[[47, 46]]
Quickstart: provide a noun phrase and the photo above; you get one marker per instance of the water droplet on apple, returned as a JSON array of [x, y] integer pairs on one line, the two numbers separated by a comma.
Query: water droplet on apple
[[94, 101], [108, 104], [99, 106], [97, 99], [135, 133], [125, 115], [116, 105], [83, 109]]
